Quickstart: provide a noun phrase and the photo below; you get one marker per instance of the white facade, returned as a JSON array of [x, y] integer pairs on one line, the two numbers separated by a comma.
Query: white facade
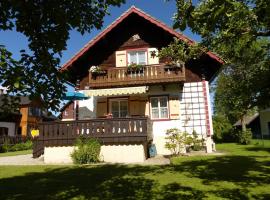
[[108, 153]]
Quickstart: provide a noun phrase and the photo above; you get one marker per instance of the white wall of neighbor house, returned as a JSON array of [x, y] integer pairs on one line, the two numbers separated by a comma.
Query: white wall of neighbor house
[[87, 108], [265, 122], [11, 127], [110, 153]]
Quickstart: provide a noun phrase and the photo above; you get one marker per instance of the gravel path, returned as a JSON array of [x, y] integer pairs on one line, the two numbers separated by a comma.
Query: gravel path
[[21, 160]]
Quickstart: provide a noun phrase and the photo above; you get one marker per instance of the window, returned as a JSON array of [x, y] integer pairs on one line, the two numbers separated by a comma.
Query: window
[[119, 107], [159, 107], [33, 111], [137, 57]]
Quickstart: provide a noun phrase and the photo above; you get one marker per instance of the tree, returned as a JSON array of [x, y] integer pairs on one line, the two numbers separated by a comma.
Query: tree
[[229, 28], [236, 90], [46, 24]]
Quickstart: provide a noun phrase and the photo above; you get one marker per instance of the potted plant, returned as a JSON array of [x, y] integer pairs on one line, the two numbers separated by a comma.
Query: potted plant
[[96, 71], [133, 67]]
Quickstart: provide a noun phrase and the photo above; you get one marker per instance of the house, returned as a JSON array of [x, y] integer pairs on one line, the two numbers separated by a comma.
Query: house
[[67, 112], [127, 108], [23, 119], [259, 123], [253, 123]]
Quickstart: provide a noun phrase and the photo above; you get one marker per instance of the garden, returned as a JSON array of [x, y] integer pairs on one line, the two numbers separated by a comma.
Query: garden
[[243, 172]]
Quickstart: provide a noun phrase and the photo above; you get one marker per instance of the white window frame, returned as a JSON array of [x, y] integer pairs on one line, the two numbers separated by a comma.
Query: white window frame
[[137, 56], [118, 100], [159, 107]]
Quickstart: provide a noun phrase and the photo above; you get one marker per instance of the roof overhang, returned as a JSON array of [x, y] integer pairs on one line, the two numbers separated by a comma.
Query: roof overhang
[[139, 12], [116, 91]]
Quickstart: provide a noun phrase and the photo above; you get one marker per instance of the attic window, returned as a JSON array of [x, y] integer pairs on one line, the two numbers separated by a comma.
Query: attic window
[[137, 57]]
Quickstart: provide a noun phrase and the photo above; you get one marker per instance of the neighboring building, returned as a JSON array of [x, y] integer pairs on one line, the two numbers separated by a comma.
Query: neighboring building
[[22, 120], [67, 112], [124, 101], [259, 123], [253, 123], [265, 122]]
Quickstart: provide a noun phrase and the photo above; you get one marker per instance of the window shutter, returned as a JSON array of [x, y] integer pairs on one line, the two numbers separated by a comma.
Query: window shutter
[[101, 108], [153, 60], [121, 58], [174, 107]]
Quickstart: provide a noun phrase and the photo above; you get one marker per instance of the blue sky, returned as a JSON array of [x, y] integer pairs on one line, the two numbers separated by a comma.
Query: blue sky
[[160, 9]]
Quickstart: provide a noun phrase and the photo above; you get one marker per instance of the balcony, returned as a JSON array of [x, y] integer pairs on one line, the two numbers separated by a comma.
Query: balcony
[[147, 75], [107, 131]]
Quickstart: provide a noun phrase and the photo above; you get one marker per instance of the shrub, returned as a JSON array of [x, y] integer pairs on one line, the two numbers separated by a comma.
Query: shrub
[[87, 151], [22, 146], [244, 137], [175, 140], [4, 147], [197, 144]]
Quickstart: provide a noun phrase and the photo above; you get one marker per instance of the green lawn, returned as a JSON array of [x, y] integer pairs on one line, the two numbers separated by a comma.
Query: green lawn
[[15, 153], [243, 173]]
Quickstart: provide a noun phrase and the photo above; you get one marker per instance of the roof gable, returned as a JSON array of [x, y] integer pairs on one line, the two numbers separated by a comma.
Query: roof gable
[[132, 10]]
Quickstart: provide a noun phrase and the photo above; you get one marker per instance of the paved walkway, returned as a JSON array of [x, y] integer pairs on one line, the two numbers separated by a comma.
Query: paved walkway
[[21, 160]]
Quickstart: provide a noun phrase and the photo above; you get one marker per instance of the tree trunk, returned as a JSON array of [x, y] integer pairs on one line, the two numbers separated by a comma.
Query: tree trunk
[[243, 123]]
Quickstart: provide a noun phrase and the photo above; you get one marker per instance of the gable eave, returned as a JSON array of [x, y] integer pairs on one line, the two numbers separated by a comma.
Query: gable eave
[[146, 16]]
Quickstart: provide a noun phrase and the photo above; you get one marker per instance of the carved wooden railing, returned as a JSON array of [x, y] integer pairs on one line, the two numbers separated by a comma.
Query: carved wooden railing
[[113, 131], [122, 76]]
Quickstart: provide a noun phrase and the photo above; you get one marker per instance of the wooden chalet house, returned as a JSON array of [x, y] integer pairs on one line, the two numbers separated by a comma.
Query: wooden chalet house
[[130, 108]]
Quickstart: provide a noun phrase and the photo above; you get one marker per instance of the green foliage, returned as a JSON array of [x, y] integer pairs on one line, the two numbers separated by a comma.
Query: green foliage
[[223, 129], [135, 67], [87, 151], [238, 31], [197, 144], [7, 147], [22, 146], [244, 137], [175, 140], [47, 26], [179, 52]]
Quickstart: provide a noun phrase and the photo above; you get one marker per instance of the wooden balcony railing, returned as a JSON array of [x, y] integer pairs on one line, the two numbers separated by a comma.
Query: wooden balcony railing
[[122, 76], [113, 131]]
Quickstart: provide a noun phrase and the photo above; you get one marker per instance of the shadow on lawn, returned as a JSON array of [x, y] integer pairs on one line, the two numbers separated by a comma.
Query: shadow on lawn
[[121, 182], [243, 170], [102, 182]]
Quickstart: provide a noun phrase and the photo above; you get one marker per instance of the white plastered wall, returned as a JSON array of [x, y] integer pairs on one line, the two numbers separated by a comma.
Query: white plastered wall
[[109, 153], [87, 108], [10, 126]]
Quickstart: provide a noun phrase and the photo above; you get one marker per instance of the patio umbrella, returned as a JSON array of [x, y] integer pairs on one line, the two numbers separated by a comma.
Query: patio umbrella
[[73, 96]]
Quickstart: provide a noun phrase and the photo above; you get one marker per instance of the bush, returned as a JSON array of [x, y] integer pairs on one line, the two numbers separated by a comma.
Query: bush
[[197, 144], [244, 137], [87, 151], [22, 146], [175, 140], [7, 147], [4, 147]]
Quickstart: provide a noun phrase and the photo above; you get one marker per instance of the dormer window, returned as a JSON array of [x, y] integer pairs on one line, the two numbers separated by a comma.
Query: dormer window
[[137, 57]]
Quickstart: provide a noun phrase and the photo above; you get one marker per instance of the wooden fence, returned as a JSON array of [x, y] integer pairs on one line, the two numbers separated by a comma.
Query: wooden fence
[[11, 140], [112, 131]]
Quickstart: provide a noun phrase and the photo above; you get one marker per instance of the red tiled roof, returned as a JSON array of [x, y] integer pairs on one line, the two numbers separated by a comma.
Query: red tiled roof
[[139, 12]]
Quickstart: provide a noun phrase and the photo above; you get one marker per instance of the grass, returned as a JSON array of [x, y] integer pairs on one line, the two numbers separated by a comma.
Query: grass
[[243, 173], [15, 153]]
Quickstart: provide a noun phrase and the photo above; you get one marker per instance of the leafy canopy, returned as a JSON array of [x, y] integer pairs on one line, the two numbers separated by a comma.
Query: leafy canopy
[[239, 32], [46, 24]]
